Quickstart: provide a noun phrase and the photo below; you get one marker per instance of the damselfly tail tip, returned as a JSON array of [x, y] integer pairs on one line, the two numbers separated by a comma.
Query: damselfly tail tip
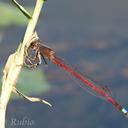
[[125, 112]]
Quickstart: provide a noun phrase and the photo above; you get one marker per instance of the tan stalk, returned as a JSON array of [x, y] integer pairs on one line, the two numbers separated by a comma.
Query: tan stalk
[[14, 64]]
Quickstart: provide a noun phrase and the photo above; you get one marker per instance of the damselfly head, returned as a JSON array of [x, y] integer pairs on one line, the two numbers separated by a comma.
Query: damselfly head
[[34, 45]]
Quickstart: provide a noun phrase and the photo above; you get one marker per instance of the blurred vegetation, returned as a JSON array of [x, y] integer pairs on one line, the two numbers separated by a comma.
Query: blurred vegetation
[[11, 15], [31, 82]]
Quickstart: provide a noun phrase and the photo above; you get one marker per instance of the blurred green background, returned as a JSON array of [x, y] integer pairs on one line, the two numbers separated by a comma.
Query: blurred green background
[[92, 36]]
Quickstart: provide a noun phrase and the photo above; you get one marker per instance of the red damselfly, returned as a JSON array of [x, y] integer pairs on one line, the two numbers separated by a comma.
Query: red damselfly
[[43, 51]]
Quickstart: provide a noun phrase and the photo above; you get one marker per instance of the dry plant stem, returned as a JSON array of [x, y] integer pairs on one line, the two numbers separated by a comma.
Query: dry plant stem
[[14, 64]]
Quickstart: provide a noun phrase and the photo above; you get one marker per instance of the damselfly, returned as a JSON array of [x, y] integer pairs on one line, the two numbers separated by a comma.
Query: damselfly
[[43, 51]]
